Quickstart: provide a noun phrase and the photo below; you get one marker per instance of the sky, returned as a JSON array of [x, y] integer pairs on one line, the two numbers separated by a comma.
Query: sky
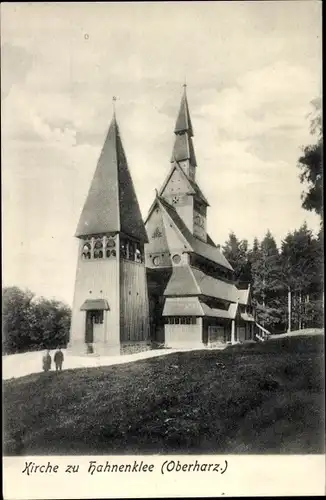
[[251, 68]]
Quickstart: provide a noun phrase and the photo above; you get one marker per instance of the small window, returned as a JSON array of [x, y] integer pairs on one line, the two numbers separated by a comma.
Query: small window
[[97, 317], [86, 251], [177, 321], [110, 243], [98, 254], [131, 251], [183, 320], [98, 244], [156, 261], [123, 249], [176, 259]]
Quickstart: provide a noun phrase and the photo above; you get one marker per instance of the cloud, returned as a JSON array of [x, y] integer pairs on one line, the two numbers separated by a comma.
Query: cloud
[[16, 62]]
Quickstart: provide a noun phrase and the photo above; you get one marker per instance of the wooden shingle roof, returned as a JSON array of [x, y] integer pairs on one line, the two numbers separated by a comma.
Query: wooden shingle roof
[[199, 247], [182, 283], [213, 287], [111, 204], [183, 123], [187, 280]]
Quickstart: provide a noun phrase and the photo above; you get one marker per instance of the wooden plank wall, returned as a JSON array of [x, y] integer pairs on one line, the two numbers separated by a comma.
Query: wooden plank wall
[[184, 335], [134, 308]]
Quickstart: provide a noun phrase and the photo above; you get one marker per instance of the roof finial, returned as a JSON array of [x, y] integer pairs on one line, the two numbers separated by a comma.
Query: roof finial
[[185, 84], [113, 104]]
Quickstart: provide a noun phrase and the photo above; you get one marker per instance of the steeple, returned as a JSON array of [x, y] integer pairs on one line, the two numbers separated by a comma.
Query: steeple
[[183, 123], [183, 149], [111, 204]]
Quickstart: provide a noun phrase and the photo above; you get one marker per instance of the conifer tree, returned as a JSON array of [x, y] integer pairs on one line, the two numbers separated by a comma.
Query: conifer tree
[[236, 252]]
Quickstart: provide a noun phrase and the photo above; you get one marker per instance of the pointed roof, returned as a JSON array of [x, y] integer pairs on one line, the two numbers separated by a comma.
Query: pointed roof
[[182, 283], [111, 204], [193, 187], [183, 148], [183, 123]]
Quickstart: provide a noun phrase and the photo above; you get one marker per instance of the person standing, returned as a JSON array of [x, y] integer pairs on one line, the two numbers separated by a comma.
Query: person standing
[[58, 360], [47, 361]]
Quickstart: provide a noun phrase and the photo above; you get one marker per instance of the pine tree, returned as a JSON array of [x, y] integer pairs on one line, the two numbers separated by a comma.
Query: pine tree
[[236, 252], [266, 284], [300, 272], [311, 165]]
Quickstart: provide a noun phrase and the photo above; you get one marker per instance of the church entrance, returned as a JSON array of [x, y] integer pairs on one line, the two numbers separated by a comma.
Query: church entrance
[[89, 329]]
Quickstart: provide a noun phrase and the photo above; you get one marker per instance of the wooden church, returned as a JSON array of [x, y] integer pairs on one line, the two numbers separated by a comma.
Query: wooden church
[[163, 282]]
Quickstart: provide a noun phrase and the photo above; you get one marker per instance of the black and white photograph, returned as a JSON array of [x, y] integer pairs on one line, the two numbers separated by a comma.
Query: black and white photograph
[[163, 270]]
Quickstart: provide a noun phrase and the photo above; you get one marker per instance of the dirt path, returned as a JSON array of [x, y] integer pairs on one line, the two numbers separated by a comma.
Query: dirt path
[[20, 365]]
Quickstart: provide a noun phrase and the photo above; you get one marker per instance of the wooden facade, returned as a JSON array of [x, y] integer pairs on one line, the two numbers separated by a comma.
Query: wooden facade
[[199, 302], [134, 308]]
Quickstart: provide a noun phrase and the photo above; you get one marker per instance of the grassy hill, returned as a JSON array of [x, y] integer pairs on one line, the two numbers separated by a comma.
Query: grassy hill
[[255, 398]]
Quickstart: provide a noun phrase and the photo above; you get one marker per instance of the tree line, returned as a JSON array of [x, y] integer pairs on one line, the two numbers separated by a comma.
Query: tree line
[[287, 282], [30, 323]]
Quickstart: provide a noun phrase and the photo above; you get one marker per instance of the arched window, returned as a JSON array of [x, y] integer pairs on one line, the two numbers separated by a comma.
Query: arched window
[[123, 249], [98, 249], [138, 253], [131, 250], [109, 245], [86, 251]]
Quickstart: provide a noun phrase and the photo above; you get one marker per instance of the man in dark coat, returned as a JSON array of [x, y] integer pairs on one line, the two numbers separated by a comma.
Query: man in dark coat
[[47, 361], [58, 360]]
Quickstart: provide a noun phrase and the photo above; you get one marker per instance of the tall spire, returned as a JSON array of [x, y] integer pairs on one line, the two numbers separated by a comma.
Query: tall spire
[[183, 123], [111, 204], [183, 147]]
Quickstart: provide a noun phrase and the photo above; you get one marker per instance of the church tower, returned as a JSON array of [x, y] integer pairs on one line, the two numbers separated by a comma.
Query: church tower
[[180, 188], [110, 307], [193, 298]]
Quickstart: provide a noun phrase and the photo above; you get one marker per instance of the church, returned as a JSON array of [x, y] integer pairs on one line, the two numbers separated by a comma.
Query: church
[[158, 282]]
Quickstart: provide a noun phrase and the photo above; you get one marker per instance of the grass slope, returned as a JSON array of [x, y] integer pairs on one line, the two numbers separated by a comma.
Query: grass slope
[[264, 398]]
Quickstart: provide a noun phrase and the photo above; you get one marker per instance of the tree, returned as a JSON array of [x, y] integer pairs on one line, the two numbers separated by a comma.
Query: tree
[[51, 323], [310, 163], [300, 272], [16, 315], [266, 285], [236, 252], [31, 324]]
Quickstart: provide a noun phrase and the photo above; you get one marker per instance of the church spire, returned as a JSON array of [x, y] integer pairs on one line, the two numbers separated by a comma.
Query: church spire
[[111, 204], [183, 123], [183, 150]]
